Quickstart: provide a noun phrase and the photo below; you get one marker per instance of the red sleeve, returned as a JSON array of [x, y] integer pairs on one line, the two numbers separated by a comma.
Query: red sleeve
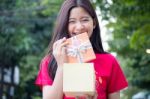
[[43, 76], [117, 80]]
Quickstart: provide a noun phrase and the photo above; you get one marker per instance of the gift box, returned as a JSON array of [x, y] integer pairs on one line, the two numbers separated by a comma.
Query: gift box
[[78, 79], [79, 49]]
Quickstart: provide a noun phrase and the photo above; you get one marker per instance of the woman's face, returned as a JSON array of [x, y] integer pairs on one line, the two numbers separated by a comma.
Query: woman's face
[[80, 21]]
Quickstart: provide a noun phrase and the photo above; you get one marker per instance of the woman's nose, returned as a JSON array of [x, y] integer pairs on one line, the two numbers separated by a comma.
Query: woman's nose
[[79, 27]]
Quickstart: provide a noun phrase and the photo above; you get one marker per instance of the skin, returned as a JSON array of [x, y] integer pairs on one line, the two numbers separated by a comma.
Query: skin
[[79, 22]]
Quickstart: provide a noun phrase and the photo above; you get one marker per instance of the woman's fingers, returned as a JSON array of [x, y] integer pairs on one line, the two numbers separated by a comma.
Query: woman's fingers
[[77, 97], [84, 97], [59, 51], [87, 97], [58, 45]]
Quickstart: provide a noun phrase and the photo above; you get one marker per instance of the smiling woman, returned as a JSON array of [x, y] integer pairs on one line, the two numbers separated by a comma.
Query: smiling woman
[[77, 17], [80, 21]]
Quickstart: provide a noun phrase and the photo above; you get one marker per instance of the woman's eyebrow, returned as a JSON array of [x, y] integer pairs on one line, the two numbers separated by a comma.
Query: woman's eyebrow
[[71, 18], [86, 17], [80, 18]]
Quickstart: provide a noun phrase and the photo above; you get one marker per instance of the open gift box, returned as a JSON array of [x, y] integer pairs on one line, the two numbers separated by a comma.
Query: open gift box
[[78, 79], [79, 49], [78, 76]]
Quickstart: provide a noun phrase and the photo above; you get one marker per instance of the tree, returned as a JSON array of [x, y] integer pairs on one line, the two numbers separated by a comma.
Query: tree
[[25, 31], [131, 34]]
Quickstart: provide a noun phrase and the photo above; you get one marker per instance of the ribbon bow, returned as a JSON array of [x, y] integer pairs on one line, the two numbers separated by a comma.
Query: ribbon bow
[[77, 47]]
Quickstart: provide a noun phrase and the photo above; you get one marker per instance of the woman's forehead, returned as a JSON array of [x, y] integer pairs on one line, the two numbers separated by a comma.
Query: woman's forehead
[[78, 11]]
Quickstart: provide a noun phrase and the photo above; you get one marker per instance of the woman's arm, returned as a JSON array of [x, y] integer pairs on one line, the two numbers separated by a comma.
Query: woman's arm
[[115, 95], [56, 90]]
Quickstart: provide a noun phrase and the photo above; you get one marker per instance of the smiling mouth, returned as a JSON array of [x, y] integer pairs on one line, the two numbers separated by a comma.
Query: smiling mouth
[[74, 34]]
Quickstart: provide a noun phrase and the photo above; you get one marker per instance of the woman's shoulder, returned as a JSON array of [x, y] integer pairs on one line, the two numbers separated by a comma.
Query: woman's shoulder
[[107, 56], [45, 60]]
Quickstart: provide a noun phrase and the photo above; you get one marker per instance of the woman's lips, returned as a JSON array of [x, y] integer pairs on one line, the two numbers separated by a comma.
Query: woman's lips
[[74, 34]]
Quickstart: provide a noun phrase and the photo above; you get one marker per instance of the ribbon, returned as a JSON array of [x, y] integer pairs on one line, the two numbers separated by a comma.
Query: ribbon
[[77, 47]]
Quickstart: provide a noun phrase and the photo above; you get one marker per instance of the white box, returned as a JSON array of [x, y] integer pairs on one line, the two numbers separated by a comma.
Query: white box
[[78, 79]]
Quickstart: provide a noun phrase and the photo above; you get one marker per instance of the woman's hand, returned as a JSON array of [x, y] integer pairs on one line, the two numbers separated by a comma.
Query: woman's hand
[[87, 97], [59, 51]]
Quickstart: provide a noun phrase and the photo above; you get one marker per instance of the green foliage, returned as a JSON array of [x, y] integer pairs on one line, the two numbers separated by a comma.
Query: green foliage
[[131, 38], [141, 38], [25, 32]]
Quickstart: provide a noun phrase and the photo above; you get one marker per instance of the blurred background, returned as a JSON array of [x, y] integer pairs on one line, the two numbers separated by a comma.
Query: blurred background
[[25, 32]]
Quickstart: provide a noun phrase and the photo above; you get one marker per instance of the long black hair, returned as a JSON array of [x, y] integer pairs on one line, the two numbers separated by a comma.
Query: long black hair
[[61, 29]]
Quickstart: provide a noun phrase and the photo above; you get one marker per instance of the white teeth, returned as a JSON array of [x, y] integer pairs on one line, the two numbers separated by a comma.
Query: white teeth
[[74, 34]]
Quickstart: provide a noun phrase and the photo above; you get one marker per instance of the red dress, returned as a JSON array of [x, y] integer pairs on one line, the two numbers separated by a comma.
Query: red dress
[[109, 75]]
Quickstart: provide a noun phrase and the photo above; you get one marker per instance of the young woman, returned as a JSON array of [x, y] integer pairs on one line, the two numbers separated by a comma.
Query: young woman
[[76, 17]]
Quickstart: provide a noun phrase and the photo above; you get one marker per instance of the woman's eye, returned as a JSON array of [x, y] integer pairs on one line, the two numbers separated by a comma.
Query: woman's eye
[[85, 20], [71, 21]]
